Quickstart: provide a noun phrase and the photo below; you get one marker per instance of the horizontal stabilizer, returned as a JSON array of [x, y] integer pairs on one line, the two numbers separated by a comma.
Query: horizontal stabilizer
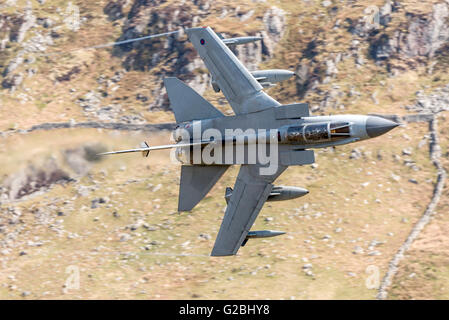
[[196, 182]]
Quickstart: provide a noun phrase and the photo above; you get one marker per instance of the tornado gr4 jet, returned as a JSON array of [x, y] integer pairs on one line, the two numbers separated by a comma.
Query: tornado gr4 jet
[[263, 137]]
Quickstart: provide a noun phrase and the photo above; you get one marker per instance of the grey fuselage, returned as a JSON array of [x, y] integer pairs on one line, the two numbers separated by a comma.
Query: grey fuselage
[[297, 133]]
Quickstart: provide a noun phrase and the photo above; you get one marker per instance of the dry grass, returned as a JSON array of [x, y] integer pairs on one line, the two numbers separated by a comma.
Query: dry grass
[[424, 273], [114, 269]]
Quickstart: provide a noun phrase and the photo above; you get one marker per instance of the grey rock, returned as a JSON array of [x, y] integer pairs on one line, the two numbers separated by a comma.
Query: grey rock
[[29, 21], [307, 266], [407, 151], [95, 203], [124, 237], [12, 82], [426, 37], [355, 154], [114, 9], [274, 21], [358, 250], [14, 63], [205, 236], [374, 98], [331, 68], [309, 273], [395, 177]]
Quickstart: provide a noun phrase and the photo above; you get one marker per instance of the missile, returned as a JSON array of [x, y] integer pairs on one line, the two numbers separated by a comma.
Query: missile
[[267, 78], [272, 75], [240, 40], [261, 234], [278, 193], [264, 234]]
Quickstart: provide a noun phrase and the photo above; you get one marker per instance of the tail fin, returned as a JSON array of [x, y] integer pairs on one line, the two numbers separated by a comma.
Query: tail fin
[[187, 104], [196, 181]]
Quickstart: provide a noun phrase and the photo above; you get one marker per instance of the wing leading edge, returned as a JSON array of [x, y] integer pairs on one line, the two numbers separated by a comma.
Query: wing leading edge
[[251, 190], [240, 88]]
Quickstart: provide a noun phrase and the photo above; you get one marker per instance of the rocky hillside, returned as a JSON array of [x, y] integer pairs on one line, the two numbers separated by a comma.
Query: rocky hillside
[[61, 101], [38, 42], [324, 42]]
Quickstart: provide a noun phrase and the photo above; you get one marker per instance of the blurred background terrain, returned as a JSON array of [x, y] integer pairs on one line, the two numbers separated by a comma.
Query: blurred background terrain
[[376, 214]]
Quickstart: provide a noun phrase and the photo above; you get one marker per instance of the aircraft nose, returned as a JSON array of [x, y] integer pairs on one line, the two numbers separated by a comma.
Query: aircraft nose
[[376, 126]]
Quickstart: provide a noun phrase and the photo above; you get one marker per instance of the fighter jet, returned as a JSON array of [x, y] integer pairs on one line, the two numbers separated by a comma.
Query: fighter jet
[[288, 132]]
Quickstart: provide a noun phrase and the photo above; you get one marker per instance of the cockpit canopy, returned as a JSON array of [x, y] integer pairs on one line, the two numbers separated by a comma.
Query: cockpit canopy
[[316, 132], [340, 130]]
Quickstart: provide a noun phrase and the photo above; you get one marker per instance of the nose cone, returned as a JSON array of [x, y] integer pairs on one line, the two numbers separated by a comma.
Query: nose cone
[[376, 126], [299, 192], [286, 74]]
